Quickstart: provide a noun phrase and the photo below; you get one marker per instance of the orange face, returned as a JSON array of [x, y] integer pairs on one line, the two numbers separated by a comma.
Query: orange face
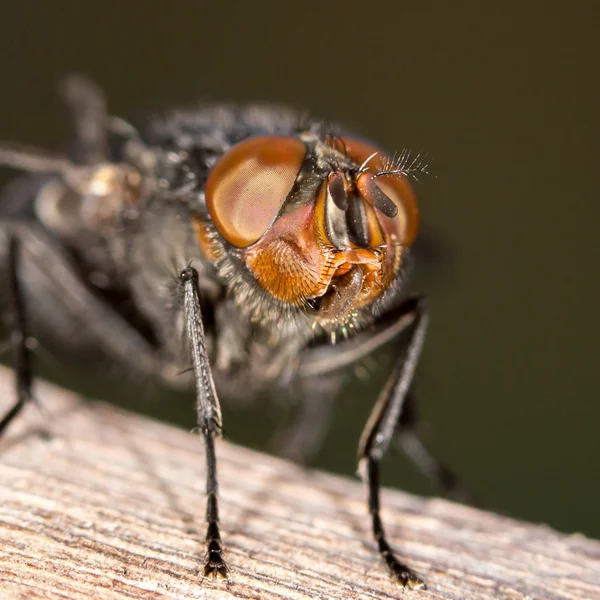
[[317, 224]]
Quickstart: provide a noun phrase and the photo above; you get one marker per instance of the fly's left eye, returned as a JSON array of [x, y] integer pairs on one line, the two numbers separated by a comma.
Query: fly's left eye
[[249, 184]]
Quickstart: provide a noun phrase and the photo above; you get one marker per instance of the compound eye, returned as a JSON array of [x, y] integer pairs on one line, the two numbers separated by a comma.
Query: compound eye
[[381, 191], [249, 184]]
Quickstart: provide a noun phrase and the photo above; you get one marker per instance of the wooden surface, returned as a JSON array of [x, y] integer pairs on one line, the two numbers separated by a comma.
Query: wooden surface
[[113, 505]]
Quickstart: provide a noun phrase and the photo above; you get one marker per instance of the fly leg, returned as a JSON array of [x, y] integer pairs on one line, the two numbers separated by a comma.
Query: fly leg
[[87, 110], [409, 440], [405, 326], [19, 336], [379, 432], [209, 420], [303, 437], [391, 328], [45, 294]]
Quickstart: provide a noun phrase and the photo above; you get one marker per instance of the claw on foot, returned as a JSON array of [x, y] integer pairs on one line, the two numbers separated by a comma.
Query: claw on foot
[[410, 580], [215, 570]]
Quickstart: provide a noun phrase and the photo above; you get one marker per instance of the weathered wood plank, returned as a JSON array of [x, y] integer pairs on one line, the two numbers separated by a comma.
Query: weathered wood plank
[[113, 505]]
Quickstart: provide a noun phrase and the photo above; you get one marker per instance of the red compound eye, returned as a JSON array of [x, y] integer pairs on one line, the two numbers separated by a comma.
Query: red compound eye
[[379, 191], [249, 184]]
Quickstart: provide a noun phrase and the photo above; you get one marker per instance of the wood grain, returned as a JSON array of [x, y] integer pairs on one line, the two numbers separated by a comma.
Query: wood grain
[[112, 507]]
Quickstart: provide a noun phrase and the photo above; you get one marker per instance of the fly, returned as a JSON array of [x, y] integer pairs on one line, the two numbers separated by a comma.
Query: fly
[[242, 240]]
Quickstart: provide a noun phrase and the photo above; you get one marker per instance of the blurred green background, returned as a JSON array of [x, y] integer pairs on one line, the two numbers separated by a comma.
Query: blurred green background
[[504, 99]]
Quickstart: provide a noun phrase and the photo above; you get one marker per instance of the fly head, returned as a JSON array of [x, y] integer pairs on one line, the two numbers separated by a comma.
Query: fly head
[[320, 224]]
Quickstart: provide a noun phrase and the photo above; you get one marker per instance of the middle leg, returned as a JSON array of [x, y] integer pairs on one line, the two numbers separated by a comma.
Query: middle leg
[[408, 439]]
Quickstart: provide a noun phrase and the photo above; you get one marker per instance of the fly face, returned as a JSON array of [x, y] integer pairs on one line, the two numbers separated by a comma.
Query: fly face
[[320, 224], [206, 236]]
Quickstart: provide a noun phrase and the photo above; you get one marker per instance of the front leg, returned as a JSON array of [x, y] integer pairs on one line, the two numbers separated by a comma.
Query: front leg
[[209, 420], [380, 429], [392, 327], [405, 326]]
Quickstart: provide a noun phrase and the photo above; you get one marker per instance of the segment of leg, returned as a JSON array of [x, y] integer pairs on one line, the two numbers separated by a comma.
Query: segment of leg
[[209, 421], [320, 378], [408, 439], [303, 437], [380, 429], [324, 359], [48, 298], [19, 335], [407, 324], [87, 109]]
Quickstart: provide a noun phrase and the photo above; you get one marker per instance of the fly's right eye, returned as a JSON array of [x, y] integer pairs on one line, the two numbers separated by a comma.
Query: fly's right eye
[[249, 184], [385, 191]]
